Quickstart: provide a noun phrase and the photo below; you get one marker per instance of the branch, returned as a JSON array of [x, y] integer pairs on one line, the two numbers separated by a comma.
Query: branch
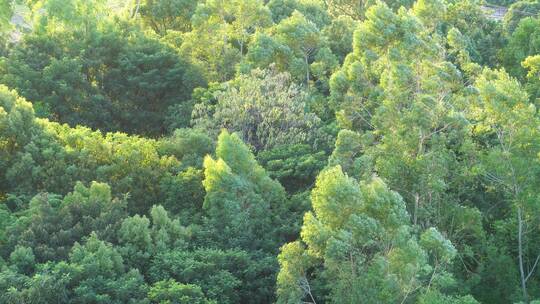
[[133, 14], [532, 269], [304, 284]]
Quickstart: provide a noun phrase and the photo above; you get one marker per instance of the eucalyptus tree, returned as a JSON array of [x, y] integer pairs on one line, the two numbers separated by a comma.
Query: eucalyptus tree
[[6, 12], [503, 118], [356, 246], [532, 64], [228, 26]]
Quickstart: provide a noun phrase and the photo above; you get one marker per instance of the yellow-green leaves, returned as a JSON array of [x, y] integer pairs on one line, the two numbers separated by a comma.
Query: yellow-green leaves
[[5, 13], [358, 243], [241, 201], [292, 281], [532, 64], [235, 153], [335, 197]]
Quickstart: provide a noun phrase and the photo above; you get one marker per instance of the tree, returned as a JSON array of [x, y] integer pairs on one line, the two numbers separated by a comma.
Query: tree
[[249, 16], [264, 107], [269, 151], [189, 146], [241, 200], [438, 298], [166, 15], [184, 193], [523, 42], [5, 16], [134, 236], [357, 246], [172, 292], [94, 274], [6, 11], [45, 156], [352, 8], [228, 26], [378, 44], [346, 154], [503, 117], [483, 37], [313, 10], [224, 276], [97, 274], [532, 64], [430, 12], [140, 241], [89, 72], [518, 11], [16, 129], [77, 15], [302, 37], [294, 166], [405, 110], [339, 35], [295, 45], [52, 225], [41, 288], [23, 259], [357, 9]]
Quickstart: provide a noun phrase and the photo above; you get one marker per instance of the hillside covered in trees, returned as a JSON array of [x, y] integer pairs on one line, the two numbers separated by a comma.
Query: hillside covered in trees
[[269, 151]]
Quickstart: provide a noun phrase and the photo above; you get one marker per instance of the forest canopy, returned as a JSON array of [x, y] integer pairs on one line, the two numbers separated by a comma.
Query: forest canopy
[[269, 151]]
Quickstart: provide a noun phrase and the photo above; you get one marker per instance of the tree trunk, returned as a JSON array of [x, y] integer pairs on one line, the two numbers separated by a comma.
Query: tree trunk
[[520, 256], [134, 13], [242, 47], [306, 57], [416, 206]]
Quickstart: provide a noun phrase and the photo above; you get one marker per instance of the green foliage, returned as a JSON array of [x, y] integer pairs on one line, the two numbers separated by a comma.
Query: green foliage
[[189, 146], [340, 35], [295, 44], [16, 127], [357, 9], [503, 2], [313, 10], [437, 298], [294, 166], [518, 11], [99, 276], [91, 72], [346, 152], [265, 108], [23, 259], [139, 241], [483, 38], [184, 193], [166, 15], [6, 12], [532, 64], [380, 145], [225, 276], [241, 200], [359, 237], [504, 114], [59, 156], [523, 43], [378, 42], [52, 226], [227, 26], [172, 292]]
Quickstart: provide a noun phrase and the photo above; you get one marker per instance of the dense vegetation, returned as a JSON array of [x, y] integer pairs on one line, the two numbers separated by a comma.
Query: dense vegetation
[[281, 151]]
